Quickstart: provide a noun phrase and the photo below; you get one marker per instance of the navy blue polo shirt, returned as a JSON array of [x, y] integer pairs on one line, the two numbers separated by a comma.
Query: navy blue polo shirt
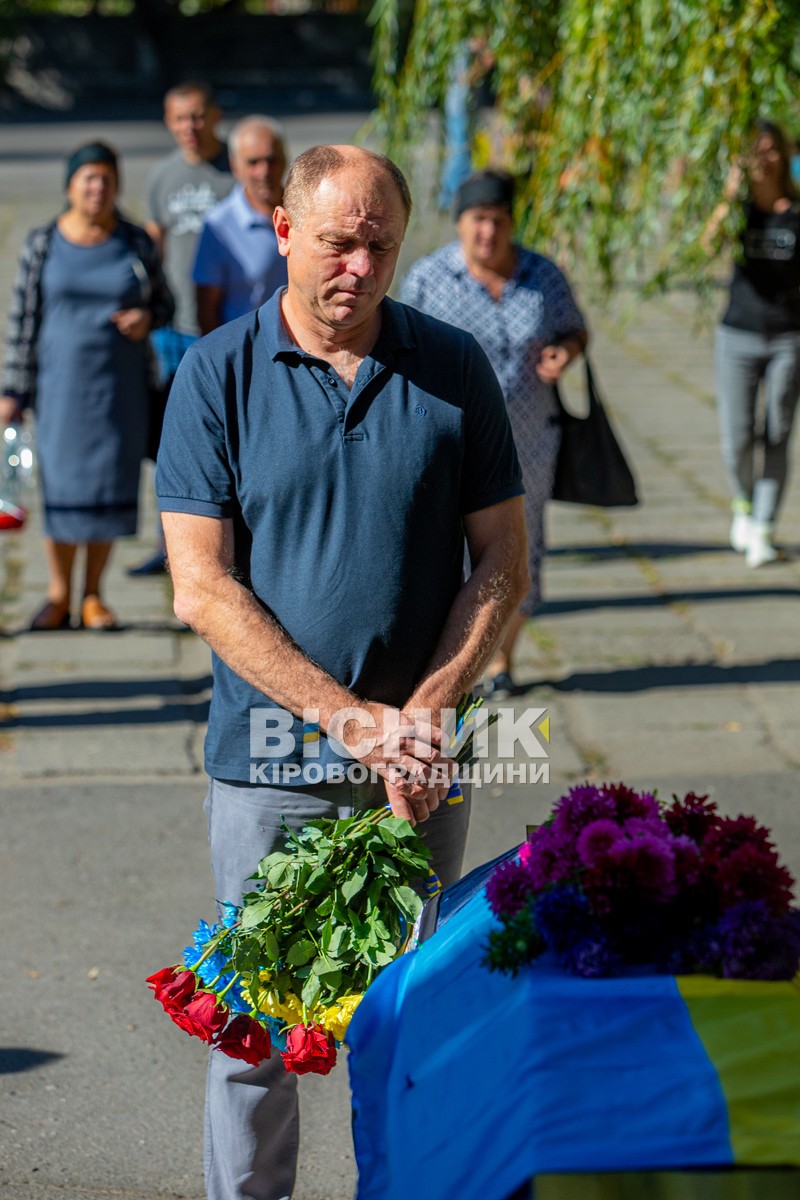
[[347, 504]]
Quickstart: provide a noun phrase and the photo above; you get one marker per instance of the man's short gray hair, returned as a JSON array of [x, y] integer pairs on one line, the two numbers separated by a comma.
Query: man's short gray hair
[[255, 121], [311, 167]]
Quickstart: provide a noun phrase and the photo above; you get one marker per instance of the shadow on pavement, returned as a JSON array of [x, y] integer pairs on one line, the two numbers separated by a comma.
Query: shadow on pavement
[[552, 608], [679, 675], [173, 714], [14, 1059], [604, 550], [109, 689]]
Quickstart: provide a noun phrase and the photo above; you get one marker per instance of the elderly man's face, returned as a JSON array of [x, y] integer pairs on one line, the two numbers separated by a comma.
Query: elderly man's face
[[259, 164], [342, 256]]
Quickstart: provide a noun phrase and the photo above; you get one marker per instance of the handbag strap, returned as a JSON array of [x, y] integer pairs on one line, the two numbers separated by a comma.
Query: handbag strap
[[591, 390]]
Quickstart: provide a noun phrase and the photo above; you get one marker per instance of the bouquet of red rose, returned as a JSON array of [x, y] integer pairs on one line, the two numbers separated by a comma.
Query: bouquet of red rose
[[293, 962], [326, 914], [614, 880]]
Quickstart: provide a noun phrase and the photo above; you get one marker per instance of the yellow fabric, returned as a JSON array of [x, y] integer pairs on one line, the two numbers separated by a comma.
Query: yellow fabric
[[751, 1032]]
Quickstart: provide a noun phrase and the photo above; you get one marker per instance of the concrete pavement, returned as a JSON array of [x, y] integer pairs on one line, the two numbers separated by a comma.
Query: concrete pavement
[[659, 657]]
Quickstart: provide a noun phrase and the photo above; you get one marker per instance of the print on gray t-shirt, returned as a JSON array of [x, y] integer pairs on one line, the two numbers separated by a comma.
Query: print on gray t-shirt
[[180, 195]]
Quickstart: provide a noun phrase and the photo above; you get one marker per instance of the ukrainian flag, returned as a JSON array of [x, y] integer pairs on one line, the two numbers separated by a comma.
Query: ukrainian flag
[[466, 1083]]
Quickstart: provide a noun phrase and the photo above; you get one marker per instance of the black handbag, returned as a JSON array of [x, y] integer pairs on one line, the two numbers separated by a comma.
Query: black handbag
[[591, 467]]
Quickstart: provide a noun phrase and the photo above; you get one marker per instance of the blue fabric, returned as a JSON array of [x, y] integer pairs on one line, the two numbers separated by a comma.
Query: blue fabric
[[238, 252], [92, 405], [170, 345], [544, 1073], [348, 505]]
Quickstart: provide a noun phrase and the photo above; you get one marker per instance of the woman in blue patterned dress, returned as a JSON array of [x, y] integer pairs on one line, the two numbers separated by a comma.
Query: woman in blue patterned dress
[[520, 308], [88, 291]]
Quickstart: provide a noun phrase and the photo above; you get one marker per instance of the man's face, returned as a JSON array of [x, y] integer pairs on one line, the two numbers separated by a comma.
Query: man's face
[[259, 165], [342, 255], [485, 234], [192, 123]]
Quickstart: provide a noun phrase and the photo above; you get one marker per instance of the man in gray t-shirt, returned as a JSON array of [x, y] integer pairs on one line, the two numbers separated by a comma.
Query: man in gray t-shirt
[[182, 190]]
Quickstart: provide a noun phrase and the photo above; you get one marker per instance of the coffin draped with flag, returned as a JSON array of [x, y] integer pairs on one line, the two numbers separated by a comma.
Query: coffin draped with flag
[[466, 1082]]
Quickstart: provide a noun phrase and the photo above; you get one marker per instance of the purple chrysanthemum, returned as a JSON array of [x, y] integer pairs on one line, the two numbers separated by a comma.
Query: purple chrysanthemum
[[688, 863], [693, 816], [508, 889], [757, 945], [751, 873], [628, 803], [645, 864], [597, 840], [581, 806], [549, 857]]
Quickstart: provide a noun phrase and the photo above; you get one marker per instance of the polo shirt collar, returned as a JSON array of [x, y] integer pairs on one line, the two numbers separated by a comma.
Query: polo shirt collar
[[395, 335], [243, 212]]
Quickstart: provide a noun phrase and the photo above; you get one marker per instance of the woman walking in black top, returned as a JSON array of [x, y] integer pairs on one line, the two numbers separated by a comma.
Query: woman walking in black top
[[758, 343]]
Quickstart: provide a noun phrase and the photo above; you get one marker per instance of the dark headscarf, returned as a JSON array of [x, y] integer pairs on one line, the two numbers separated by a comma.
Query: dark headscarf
[[92, 152], [485, 189]]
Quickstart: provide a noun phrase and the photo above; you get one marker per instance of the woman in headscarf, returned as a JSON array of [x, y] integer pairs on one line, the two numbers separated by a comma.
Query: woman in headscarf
[[520, 308], [88, 291]]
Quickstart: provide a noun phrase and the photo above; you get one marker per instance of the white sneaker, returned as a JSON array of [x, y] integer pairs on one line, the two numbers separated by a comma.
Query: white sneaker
[[741, 532], [760, 550]]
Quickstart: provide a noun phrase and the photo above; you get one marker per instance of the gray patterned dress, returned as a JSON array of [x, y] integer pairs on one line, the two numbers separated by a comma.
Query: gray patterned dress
[[536, 309]]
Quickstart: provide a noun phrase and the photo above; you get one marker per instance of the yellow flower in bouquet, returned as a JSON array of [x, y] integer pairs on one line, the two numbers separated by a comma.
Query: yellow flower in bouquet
[[337, 1016]]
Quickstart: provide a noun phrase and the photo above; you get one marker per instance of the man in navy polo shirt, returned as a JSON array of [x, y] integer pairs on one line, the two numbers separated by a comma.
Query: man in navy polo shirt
[[322, 461]]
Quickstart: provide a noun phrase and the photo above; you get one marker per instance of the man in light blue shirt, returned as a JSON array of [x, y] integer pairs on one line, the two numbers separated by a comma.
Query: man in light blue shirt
[[237, 266]]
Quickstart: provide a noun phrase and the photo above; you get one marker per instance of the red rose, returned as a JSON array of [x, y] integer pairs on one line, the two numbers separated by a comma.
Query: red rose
[[246, 1039], [202, 1016], [309, 1048], [172, 987]]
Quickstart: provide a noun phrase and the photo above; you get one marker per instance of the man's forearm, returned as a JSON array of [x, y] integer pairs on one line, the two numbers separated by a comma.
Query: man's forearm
[[254, 645], [475, 624]]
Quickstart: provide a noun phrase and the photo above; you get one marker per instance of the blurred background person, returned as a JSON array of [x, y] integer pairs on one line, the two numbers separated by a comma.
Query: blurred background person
[[473, 61], [520, 308], [237, 266], [182, 189], [757, 345], [89, 289]]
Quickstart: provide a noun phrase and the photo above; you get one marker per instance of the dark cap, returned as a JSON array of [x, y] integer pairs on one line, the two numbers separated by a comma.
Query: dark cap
[[485, 189], [92, 152]]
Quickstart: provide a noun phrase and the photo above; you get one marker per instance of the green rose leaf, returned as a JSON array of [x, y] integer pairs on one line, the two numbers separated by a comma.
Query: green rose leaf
[[254, 914], [352, 886], [270, 944], [300, 952], [311, 990], [318, 881], [407, 901]]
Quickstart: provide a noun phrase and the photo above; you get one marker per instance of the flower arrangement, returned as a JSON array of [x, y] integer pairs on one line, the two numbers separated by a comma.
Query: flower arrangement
[[325, 916], [616, 880]]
